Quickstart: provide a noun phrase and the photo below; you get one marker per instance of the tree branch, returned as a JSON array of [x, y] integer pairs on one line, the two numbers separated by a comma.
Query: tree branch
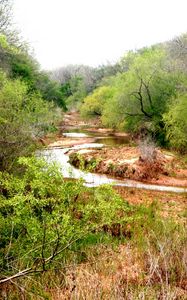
[[148, 93], [33, 268], [139, 96]]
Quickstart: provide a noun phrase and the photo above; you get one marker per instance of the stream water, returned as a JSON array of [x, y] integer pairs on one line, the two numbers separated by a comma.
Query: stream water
[[60, 156]]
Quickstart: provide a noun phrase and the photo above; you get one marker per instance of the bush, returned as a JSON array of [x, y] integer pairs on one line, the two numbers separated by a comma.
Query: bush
[[176, 123], [148, 152], [93, 104], [41, 215], [49, 224], [23, 119]]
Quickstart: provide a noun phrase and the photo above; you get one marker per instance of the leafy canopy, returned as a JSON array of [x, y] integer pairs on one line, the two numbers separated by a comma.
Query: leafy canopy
[[24, 117]]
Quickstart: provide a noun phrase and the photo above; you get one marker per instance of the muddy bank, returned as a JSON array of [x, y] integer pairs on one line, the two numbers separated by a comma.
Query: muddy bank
[[170, 205], [113, 154], [69, 142], [86, 133], [72, 120], [127, 163]]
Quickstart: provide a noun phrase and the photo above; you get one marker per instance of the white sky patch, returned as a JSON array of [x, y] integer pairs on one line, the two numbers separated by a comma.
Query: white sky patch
[[95, 32]]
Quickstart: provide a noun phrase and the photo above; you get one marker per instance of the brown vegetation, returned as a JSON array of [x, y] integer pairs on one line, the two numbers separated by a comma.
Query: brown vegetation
[[127, 162]]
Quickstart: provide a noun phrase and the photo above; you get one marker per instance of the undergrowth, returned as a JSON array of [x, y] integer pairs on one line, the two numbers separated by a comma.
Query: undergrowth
[[85, 243]]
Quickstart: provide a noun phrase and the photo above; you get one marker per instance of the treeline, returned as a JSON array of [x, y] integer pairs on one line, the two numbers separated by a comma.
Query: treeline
[[28, 97], [144, 93], [147, 95], [77, 81]]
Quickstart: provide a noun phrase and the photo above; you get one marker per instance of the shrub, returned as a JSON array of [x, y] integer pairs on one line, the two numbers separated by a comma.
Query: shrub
[[176, 123], [23, 119], [41, 215], [93, 104]]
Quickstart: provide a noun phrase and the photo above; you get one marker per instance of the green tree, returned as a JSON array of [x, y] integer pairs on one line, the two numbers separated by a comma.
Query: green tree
[[77, 92], [23, 119], [142, 98], [176, 123], [17, 63], [78, 81], [41, 215], [93, 104], [50, 90]]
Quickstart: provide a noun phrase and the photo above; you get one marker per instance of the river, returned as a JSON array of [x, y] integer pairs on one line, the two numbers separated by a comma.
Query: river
[[60, 156]]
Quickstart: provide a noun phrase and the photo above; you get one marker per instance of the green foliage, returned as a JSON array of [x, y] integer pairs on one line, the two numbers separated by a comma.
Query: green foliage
[[146, 88], [76, 91], [176, 123], [94, 104], [3, 42], [41, 214], [50, 90], [22, 66], [23, 119], [78, 81], [138, 97], [127, 60], [25, 68], [18, 64], [5, 51], [48, 223]]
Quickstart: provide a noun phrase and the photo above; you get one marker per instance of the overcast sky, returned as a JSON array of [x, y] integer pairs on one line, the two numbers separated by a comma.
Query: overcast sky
[[95, 32]]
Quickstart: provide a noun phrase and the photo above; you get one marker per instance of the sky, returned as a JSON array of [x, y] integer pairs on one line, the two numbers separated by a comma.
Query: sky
[[95, 32]]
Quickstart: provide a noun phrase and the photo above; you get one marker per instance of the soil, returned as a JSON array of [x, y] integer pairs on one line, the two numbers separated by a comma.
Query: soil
[[175, 168], [164, 168], [126, 162], [69, 142], [171, 205]]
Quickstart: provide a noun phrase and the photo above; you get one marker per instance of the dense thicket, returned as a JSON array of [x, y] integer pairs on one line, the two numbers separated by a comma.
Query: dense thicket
[[18, 63], [77, 81], [42, 215], [28, 103], [29, 99], [146, 95], [52, 230]]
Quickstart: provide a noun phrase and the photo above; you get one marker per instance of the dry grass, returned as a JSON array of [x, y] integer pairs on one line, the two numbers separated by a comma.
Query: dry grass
[[158, 270], [152, 268], [151, 265], [170, 204]]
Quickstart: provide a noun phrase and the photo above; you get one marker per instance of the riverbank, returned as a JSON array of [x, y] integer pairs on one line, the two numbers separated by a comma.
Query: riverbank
[[143, 257], [117, 156], [127, 163]]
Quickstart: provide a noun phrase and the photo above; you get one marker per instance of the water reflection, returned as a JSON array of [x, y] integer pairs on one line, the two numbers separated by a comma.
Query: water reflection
[[113, 140]]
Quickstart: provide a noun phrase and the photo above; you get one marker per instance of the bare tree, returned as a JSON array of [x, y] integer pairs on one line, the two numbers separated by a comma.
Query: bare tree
[[7, 27], [5, 16], [177, 49]]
